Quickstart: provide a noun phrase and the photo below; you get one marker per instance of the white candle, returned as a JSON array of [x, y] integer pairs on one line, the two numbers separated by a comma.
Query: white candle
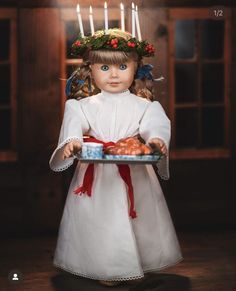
[[133, 20], [137, 24], [80, 21], [91, 20], [106, 17], [122, 17]]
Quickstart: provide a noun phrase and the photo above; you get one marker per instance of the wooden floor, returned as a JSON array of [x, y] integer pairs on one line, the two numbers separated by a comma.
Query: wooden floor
[[209, 265]]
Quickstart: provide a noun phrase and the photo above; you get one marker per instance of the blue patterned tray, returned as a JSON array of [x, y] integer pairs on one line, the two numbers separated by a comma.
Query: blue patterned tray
[[124, 159]]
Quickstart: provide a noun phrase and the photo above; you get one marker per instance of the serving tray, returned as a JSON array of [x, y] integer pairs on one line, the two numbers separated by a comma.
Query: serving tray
[[123, 159]]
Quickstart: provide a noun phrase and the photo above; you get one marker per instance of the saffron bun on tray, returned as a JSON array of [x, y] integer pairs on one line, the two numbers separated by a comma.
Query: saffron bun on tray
[[128, 146]]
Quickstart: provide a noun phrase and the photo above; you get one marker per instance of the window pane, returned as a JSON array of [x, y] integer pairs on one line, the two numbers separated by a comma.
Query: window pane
[[5, 82], [5, 129], [185, 82], [186, 127], [212, 38], [5, 38], [184, 38], [213, 127], [213, 83]]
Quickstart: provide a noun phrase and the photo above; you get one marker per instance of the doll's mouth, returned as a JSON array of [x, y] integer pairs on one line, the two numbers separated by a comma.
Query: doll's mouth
[[114, 83]]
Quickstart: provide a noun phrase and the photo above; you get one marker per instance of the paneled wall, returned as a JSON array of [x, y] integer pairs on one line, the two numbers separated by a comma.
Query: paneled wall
[[39, 83], [31, 195]]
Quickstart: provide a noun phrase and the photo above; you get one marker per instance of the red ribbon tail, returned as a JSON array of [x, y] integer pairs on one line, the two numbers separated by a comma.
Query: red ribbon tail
[[87, 182], [125, 175], [79, 190], [132, 213]]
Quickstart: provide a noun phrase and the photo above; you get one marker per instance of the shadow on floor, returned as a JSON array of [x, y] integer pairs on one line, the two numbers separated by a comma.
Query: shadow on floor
[[163, 282], [153, 282]]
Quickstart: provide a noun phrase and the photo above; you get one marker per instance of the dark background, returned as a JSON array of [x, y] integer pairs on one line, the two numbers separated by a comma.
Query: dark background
[[201, 191]]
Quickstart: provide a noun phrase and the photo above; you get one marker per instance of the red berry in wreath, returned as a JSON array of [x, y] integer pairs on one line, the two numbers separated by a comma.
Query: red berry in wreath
[[114, 41], [131, 44], [77, 43]]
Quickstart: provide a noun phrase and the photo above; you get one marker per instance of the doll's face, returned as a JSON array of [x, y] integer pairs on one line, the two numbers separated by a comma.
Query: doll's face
[[114, 78]]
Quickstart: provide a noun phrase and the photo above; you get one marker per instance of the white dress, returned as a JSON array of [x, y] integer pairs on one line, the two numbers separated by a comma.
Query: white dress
[[97, 237]]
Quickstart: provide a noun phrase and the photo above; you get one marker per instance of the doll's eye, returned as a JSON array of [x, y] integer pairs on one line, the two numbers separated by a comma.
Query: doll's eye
[[104, 68], [123, 67]]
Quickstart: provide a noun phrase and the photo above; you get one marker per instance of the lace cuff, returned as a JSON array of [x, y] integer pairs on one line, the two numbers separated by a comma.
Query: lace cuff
[[56, 162]]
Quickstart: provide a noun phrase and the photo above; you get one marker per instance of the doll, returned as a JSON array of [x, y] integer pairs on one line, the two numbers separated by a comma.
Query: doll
[[103, 235]]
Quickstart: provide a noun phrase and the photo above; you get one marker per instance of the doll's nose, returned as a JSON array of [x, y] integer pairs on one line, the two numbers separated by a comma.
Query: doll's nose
[[114, 72]]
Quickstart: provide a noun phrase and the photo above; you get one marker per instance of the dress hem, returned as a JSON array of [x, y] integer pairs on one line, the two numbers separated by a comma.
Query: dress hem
[[164, 267], [117, 279]]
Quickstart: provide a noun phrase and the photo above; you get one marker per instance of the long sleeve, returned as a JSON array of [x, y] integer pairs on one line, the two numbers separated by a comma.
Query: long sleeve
[[156, 124], [73, 127]]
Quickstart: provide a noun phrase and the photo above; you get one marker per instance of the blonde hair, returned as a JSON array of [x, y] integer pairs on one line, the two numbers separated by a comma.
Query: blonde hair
[[142, 88]]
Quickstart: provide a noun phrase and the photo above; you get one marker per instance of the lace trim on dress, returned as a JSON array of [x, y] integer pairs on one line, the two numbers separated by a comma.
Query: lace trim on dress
[[60, 169], [119, 279], [97, 278]]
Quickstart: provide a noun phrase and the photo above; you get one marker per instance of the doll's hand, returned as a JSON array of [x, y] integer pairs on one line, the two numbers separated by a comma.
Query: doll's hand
[[71, 148], [158, 144]]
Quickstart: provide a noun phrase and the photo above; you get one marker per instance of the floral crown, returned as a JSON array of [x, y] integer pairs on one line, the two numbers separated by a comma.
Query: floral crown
[[109, 42]]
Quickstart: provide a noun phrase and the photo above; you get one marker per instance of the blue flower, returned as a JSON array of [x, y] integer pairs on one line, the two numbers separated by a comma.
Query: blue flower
[[69, 83], [144, 72]]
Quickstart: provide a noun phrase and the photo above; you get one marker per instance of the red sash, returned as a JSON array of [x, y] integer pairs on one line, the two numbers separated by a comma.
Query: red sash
[[124, 171]]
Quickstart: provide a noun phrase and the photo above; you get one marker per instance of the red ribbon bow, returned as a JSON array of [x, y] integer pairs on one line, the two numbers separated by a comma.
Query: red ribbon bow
[[124, 171]]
